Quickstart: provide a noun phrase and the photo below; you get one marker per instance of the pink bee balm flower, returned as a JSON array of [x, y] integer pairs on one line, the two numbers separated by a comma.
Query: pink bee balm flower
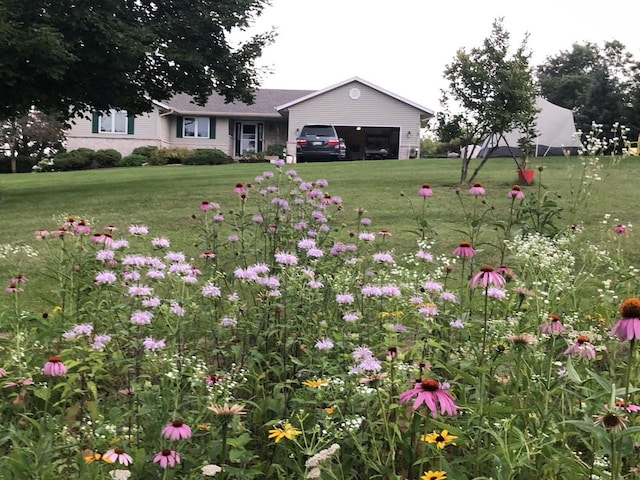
[[166, 458], [176, 430], [485, 277], [138, 229], [285, 258], [117, 455], [628, 326], [476, 189], [553, 326], [430, 392], [54, 367], [464, 250], [425, 190], [515, 193]]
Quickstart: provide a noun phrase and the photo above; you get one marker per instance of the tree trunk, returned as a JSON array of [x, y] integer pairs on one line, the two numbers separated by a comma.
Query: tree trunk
[[464, 169]]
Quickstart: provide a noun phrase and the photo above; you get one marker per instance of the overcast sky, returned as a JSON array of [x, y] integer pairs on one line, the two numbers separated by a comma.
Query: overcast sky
[[403, 46]]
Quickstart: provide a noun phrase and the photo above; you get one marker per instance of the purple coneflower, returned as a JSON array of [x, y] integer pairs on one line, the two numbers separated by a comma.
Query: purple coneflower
[[486, 277], [13, 287], [628, 326], [464, 250], [553, 326], [476, 189], [629, 407], [166, 458], [620, 229], [54, 367], [117, 455], [582, 348], [425, 190], [430, 392], [239, 189], [176, 430], [515, 193]]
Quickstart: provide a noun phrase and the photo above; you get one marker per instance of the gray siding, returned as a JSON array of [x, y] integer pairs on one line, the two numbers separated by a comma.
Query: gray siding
[[372, 109]]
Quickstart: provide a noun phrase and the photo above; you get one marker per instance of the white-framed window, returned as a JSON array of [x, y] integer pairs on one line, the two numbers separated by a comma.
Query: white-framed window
[[196, 127], [115, 121]]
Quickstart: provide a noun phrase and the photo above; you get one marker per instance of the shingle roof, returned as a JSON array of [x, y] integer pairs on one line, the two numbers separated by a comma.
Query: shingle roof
[[266, 101]]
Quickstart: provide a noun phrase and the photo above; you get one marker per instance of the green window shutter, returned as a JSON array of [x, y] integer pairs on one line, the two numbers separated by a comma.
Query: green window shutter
[[130, 120], [179, 123], [212, 127], [94, 122]]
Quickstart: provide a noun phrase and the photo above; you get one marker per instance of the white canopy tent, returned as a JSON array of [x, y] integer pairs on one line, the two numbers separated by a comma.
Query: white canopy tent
[[556, 134]]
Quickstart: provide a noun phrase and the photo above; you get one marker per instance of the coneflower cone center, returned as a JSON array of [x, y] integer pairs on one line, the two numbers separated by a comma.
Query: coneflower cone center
[[630, 308], [429, 384]]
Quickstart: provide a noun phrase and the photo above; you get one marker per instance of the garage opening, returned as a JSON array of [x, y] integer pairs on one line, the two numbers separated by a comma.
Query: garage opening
[[370, 143]]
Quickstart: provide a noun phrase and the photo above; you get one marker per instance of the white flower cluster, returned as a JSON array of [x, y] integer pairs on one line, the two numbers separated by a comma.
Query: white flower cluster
[[351, 424], [210, 470], [315, 462], [544, 262], [120, 474], [8, 250], [221, 390]]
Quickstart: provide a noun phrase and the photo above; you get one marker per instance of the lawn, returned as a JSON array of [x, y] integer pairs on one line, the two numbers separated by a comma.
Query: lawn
[[165, 197], [246, 321]]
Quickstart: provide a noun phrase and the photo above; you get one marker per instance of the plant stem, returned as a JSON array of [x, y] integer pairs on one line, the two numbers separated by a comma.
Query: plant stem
[[628, 373]]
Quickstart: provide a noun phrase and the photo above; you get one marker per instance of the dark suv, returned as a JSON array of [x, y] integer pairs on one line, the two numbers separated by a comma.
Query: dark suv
[[320, 142]]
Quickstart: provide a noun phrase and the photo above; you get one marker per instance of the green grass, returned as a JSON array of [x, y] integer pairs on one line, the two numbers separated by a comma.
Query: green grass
[[165, 198]]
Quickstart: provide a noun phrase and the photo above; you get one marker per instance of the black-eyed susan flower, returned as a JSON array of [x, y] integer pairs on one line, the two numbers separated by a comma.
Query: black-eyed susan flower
[[288, 432], [317, 383], [440, 439], [431, 475]]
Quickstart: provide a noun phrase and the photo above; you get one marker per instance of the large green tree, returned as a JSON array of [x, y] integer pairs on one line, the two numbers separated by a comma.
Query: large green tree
[[69, 56], [599, 84], [493, 90]]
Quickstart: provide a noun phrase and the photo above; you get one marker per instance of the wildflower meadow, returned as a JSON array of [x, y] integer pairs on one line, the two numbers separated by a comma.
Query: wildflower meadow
[[285, 346]]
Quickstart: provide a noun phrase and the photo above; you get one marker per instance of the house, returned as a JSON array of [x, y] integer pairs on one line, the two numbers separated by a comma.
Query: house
[[366, 116]]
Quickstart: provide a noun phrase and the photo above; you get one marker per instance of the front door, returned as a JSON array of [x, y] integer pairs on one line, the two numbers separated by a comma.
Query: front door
[[248, 138]]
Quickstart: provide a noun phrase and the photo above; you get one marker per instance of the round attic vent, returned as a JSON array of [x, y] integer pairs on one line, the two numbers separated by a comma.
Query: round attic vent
[[354, 93]]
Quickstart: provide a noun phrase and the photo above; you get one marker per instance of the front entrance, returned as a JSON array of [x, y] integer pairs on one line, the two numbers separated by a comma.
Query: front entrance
[[248, 138]]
